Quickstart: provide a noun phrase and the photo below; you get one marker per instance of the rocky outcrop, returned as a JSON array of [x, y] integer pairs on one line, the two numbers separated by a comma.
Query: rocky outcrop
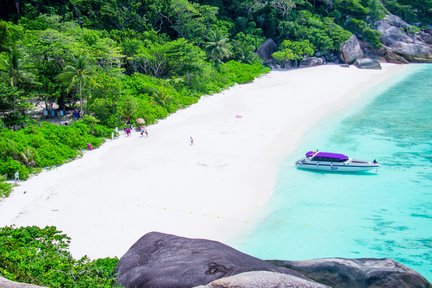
[[311, 62], [367, 63], [358, 273], [5, 283], [263, 279], [266, 50], [397, 38], [426, 36], [165, 261], [350, 50]]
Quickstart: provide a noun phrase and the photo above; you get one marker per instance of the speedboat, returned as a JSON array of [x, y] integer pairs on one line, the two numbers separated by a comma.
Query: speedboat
[[326, 161]]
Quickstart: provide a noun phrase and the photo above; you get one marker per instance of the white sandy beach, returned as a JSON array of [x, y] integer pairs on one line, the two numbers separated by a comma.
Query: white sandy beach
[[215, 189]]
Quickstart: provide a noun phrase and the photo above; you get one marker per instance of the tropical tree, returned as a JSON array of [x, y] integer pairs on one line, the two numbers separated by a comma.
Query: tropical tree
[[217, 47], [244, 46], [294, 50], [13, 68], [78, 76], [17, 74], [283, 6]]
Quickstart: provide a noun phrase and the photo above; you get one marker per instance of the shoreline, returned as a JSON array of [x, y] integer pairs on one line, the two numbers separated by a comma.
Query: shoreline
[[113, 195]]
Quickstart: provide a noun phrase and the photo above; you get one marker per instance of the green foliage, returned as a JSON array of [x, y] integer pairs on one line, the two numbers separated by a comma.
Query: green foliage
[[366, 33], [38, 146], [10, 166], [5, 188], [230, 72], [78, 76], [322, 32], [412, 11], [294, 50], [191, 20], [244, 47], [217, 47], [351, 7], [40, 256]]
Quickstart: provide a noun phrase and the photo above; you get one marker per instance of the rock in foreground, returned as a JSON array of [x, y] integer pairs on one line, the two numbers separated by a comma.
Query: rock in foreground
[[358, 273], [350, 50], [5, 283], [263, 279], [367, 63], [165, 261]]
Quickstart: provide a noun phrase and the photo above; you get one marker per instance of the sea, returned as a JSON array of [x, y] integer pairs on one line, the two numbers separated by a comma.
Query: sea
[[380, 214]]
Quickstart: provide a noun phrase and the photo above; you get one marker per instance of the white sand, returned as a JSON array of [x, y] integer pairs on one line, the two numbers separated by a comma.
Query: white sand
[[215, 189]]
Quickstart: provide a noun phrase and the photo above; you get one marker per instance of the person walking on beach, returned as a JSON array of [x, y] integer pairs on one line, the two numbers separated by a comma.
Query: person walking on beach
[[16, 177], [143, 131], [191, 141]]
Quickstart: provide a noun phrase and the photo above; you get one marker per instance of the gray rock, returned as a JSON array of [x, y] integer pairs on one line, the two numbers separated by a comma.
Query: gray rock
[[165, 261], [367, 63], [311, 62], [350, 50], [5, 283], [426, 37], [288, 65], [331, 58], [396, 21], [263, 279], [392, 57], [266, 50], [397, 39], [358, 273]]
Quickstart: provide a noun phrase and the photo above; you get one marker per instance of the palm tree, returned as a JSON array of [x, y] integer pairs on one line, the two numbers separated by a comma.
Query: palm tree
[[78, 76], [14, 69], [17, 74], [217, 47]]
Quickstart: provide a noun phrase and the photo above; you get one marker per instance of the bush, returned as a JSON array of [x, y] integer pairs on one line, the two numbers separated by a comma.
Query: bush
[[5, 188], [41, 256], [10, 166], [38, 146], [362, 29]]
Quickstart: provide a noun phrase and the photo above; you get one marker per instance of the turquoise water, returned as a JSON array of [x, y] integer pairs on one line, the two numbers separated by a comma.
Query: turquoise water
[[388, 214]]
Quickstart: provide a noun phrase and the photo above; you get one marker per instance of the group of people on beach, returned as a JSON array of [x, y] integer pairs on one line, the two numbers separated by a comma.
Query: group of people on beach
[[142, 130]]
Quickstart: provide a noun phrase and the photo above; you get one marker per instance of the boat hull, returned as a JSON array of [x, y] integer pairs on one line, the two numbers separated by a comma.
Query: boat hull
[[336, 166]]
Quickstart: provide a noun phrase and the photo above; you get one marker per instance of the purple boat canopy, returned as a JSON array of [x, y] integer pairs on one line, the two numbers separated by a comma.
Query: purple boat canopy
[[327, 156], [309, 153]]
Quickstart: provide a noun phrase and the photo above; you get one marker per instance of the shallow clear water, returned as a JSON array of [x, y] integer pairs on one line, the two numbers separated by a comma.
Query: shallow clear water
[[388, 214]]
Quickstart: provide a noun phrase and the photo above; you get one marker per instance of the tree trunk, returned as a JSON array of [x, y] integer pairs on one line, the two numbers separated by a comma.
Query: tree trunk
[[80, 93], [17, 6]]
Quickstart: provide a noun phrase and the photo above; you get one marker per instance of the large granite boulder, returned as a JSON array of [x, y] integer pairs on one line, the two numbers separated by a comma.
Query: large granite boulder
[[5, 283], [160, 260], [358, 273], [266, 50], [263, 279], [165, 261], [350, 50], [397, 36], [367, 63], [311, 62]]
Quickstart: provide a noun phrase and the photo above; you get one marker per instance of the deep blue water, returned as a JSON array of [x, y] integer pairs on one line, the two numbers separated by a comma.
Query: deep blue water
[[385, 214]]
